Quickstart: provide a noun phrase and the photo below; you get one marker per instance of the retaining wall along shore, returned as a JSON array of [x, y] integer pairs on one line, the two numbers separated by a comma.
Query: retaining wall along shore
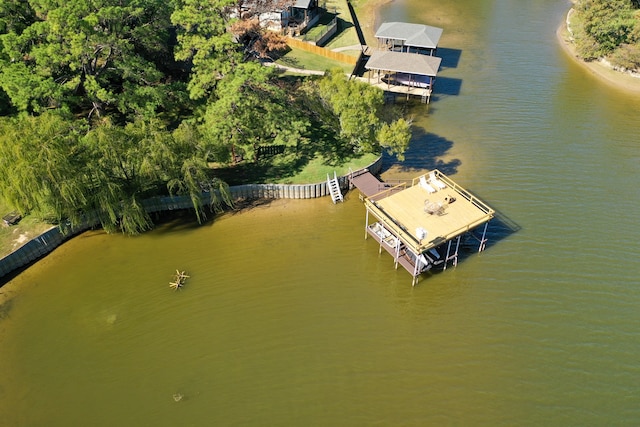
[[54, 237]]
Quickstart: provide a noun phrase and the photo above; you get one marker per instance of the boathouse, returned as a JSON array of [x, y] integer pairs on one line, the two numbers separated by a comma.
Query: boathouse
[[405, 37], [420, 223], [403, 73]]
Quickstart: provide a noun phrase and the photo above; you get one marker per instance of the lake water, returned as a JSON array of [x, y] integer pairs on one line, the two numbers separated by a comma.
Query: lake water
[[290, 317]]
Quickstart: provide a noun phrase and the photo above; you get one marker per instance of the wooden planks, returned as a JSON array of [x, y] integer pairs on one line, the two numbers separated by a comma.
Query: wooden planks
[[406, 209]]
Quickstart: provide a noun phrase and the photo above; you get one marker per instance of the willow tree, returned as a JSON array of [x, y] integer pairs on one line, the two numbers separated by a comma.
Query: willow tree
[[189, 171], [141, 160], [40, 165], [53, 167]]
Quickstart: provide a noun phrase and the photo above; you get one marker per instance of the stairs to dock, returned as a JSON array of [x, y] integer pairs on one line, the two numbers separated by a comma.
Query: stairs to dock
[[334, 188]]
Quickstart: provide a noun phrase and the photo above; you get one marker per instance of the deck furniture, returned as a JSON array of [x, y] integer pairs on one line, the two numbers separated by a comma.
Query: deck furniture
[[435, 181], [424, 184]]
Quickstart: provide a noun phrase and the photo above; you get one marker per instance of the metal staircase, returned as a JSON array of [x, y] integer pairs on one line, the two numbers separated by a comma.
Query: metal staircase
[[334, 188]]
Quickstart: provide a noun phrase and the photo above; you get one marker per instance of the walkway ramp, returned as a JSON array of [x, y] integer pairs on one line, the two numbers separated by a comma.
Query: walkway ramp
[[334, 188], [368, 185]]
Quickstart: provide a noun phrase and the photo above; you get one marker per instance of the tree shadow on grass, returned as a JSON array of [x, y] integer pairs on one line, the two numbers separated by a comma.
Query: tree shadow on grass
[[260, 172], [321, 142]]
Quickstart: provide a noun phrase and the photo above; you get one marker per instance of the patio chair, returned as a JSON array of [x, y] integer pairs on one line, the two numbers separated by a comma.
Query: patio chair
[[435, 181], [424, 184]]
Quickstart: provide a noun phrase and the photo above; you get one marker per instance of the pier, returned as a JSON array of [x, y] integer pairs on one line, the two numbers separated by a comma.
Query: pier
[[420, 223], [404, 61]]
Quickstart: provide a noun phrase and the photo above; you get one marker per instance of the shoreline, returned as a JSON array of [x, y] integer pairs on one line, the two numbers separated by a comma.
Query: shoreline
[[368, 14], [601, 70], [369, 10]]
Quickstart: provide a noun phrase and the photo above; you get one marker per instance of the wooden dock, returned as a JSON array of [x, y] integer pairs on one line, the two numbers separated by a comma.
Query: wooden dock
[[421, 225], [401, 89], [369, 186]]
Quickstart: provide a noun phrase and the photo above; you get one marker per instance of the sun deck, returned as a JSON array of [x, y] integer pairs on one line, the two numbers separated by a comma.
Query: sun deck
[[424, 217]]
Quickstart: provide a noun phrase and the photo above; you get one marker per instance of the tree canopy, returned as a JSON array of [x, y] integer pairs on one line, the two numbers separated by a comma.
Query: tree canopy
[[58, 167], [91, 57], [107, 102], [608, 28], [355, 108]]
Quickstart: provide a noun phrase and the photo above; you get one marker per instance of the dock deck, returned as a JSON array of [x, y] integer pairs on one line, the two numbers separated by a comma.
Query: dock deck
[[417, 222], [370, 186]]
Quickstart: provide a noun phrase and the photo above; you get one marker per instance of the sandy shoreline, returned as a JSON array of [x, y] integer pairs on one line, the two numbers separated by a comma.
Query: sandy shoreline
[[614, 78]]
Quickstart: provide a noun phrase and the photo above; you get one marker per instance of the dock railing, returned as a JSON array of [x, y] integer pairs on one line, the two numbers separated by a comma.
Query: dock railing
[[405, 235], [458, 189], [388, 190]]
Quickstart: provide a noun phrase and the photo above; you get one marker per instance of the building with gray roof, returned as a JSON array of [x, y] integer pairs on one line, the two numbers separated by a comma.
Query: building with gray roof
[[403, 36]]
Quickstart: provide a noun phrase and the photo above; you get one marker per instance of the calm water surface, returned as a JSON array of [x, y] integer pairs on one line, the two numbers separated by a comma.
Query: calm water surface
[[291, 318]]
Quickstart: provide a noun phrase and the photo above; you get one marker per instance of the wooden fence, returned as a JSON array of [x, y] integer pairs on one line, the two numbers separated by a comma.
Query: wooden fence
[[327, 53]]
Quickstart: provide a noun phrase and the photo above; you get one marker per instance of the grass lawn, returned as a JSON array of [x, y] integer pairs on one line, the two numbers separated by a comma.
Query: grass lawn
[[291, 169], [14, 236], [317, 169], [347, 35], [298, 58]]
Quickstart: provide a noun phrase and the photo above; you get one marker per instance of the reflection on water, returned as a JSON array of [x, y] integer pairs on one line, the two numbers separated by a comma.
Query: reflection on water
[[290, 317]]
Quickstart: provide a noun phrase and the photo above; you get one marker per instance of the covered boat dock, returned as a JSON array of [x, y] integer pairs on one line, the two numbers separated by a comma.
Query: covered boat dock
[[421, 223], [403, 36], [405, 73]]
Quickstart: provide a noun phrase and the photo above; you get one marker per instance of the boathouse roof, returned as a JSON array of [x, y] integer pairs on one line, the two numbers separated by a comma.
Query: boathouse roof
[[402, 62], [405, 208], [415, 35]]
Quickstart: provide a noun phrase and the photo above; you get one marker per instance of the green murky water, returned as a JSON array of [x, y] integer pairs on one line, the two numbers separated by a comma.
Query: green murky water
[[291, 318]]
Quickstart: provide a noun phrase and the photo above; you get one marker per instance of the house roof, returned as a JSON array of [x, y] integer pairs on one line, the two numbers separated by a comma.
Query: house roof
[[402, 62], [415, 35], [302, 4]]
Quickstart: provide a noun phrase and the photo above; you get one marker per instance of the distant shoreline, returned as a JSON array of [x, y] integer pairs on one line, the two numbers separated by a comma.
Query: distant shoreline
[[600, 69]]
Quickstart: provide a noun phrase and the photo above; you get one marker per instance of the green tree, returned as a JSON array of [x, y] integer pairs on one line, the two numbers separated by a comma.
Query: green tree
[[53, 167], [604, 25], [39, 163], [356, 108], [141, 160], [395, 137], [189, 171], [203, 40], [122, 172], [86, 56], [15, 15], [250, 111]]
